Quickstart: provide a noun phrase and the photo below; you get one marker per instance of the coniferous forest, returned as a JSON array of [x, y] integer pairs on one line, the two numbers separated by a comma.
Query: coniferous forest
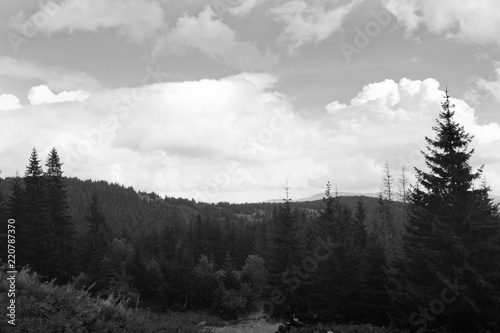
[[419, 257]]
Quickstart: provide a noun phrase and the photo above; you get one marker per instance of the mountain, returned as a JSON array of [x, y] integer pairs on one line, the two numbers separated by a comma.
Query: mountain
[[320, 196]]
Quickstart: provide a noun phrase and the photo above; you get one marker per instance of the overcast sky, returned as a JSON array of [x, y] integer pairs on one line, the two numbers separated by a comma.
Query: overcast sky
[[225, 100]]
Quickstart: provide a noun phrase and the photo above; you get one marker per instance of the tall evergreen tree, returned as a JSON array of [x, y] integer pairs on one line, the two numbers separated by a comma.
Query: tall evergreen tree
[[374, 298], [451, 239], [335, 285], [41, 251], [359, 228], [57, 206], [97, 239], [284, 253]]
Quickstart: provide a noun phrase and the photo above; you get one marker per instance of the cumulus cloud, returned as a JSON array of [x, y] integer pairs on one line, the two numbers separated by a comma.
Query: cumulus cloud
[[388, 120], [212, 37], [242, 8], [309, 22], [334, 106], [466, 21], [42, 95], [482, 87], [9, 102], [138, 19], [238, 138], [56, 78]]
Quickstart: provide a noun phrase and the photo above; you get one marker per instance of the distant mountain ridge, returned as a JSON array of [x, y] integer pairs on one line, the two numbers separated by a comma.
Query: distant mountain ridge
[[320, 196]]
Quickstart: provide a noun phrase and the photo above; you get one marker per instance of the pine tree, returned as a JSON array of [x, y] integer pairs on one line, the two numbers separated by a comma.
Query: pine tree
[[359, 230], [97, 239], [41, 251], [57, 205], [284, 253], [386, 217], [374, 297], [452, 236], [335, 285]]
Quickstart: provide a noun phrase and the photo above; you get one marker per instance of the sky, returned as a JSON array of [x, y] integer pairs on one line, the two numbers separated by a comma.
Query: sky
[[228, 100]]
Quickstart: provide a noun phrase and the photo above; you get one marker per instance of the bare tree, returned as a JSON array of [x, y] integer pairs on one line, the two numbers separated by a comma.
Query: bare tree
[[403, 185], [387, 188]]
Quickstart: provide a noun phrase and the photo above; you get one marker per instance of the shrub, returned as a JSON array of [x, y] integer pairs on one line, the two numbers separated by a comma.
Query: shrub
[[46, 308]]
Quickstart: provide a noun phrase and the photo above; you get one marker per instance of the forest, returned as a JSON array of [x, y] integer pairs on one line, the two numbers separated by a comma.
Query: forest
[[420, 256]]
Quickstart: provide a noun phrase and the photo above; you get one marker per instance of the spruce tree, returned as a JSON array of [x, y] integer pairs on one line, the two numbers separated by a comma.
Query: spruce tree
[[374, 297], [41, 250], [97, 239], [57, 205], [451, 238], [359, 229], [335, 285], [284, 253]]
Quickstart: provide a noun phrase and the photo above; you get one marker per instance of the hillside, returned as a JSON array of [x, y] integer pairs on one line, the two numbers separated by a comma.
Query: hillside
[[126, 209], [47, 308]]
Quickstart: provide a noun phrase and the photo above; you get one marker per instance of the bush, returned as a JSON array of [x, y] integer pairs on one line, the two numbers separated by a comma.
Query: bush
[[230, 303], [46, 308]]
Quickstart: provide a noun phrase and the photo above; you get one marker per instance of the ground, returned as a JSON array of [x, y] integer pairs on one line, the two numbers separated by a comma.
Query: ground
[[253, 323]]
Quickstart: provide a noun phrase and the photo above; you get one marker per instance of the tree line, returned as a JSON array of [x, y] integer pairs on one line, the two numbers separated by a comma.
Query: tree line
[[425, 256]]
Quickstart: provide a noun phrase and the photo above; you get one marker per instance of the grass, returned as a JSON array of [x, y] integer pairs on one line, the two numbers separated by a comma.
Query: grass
[[47, 308], [366, 328]]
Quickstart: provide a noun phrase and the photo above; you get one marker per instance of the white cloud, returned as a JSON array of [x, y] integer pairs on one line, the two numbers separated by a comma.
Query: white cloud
[[42, 95], [334, 106], [388, 120], [214, 38], [244, 7], [9, 102], [467, 21], [309, 22], [138, 19], [482, 88], [240, 132], [56, 78]]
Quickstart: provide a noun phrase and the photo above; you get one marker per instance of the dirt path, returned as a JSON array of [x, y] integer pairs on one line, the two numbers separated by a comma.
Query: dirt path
[[254, 323]]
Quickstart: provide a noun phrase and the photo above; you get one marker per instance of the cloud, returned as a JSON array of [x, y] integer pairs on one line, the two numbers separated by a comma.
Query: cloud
[[489, 86], [309, 22], [42, 95], [238, 138], [334, 106], [212, 37], [55, 78], [9, 102], [388, 120], [244, 7], [467, 21], [137, 19]]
